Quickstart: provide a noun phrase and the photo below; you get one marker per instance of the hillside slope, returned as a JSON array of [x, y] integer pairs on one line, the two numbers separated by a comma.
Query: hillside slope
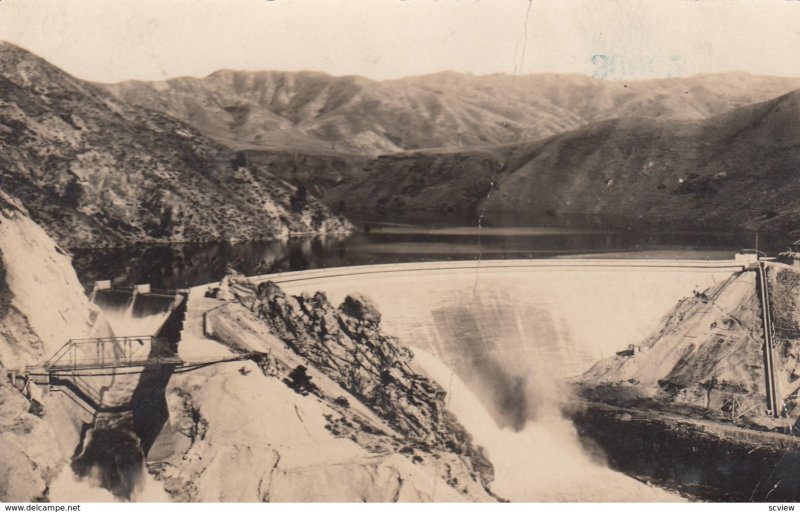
[[736, 169], [706, 358], [315, 111], [96, 171]]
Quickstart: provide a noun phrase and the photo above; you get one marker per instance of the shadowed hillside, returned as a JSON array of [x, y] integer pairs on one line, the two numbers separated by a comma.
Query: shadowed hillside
[[736, 169]]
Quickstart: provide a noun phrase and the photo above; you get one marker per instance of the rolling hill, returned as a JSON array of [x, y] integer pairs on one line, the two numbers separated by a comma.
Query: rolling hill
[[318, 112]]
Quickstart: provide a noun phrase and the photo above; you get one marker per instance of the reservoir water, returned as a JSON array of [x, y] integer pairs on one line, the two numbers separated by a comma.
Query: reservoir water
[[183, 265]]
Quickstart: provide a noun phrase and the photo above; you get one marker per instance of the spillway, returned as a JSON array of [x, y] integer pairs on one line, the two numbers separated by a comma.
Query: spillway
[[134, 314], [116, 399], [512, 332]]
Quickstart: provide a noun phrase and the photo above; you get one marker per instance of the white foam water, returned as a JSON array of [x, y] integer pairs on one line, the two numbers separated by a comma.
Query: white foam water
[[544, 461], [67, 487], [140, 315]]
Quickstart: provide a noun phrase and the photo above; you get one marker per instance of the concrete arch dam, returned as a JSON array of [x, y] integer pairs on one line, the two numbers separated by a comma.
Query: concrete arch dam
[[511, 330]]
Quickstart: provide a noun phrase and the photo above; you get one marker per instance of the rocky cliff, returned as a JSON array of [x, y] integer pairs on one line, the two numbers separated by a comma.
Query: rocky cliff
[[94, 170], [346, 344], [42, 305]]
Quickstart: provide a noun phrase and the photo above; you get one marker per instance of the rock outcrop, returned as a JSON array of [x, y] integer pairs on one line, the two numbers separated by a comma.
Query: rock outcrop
[[328, 409], [348, 346]]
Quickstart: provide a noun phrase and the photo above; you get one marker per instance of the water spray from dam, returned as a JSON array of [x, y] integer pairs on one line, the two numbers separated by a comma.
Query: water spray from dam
[[138, 311], [116, 385]]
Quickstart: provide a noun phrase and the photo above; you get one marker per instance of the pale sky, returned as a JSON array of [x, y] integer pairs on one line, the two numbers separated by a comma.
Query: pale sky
[[113, 40]]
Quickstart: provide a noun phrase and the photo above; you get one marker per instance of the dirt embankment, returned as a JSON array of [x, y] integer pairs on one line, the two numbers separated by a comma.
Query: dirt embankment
[[706, 357]]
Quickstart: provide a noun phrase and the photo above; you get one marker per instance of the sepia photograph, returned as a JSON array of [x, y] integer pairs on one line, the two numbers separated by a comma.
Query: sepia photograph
[[399, 251]]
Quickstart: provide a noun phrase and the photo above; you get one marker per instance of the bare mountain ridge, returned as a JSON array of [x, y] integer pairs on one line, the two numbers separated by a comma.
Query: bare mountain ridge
[[734, 170], [315, 111], [94, 170], [79, 156]]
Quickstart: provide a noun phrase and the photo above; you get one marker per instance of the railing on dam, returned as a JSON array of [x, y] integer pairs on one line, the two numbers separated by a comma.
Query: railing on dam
[[516, 265], [109, 352]]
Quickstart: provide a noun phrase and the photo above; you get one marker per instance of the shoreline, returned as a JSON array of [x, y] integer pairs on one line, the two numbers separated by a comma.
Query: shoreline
[[232, 241]]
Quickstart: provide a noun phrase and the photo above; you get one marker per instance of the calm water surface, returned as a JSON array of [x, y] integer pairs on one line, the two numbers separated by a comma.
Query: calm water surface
[[183, 265]]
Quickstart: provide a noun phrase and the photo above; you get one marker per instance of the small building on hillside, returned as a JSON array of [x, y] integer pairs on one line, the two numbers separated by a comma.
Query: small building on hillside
[[792, 256], [631, 351]]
